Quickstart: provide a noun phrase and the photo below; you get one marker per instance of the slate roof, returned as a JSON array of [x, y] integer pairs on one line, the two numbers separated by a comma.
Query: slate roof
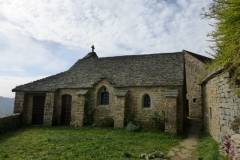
[[121, 71], [199, 57]]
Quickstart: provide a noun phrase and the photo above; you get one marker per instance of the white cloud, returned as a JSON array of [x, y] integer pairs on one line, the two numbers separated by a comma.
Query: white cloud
[[12, 68], [114, 27], [10, 82], [24, 52], [145, 26]]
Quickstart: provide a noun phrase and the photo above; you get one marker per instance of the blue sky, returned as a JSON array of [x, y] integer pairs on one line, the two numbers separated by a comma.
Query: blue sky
[[39, 38]]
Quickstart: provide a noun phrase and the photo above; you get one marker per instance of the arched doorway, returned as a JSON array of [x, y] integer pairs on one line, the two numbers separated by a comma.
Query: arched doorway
[[66, 110]]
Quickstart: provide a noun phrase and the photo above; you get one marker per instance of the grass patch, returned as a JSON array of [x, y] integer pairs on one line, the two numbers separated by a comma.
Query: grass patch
[[82, 143], [208, 149]]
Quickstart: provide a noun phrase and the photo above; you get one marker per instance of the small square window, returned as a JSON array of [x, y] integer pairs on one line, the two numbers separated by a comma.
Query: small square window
[[194, 99]]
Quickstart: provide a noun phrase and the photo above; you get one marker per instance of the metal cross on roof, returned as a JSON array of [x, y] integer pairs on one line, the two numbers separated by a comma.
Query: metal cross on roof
[[92, 48]]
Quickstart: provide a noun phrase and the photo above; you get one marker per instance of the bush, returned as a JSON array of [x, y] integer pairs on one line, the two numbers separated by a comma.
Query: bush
[[158, 120], [132, 127], [107, 122]]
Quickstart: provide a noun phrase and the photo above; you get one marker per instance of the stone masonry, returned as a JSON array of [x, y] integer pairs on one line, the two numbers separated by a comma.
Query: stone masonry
[[120, 107], [48, 109], [194, 69], [220, 105], [10, 121], [18, 104], [127, 80]]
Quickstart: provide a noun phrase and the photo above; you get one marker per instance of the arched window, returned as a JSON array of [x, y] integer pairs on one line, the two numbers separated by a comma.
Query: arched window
[[103, 96], [146, 101]]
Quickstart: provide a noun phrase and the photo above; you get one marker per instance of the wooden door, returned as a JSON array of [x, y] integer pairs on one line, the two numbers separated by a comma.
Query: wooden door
[[38, 110], [66, 110]]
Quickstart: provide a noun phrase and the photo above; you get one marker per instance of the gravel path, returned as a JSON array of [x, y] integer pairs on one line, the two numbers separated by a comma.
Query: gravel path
[[187, 149]]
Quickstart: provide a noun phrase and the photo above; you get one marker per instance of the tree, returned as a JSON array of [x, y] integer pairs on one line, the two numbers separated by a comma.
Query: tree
[[226, 34]]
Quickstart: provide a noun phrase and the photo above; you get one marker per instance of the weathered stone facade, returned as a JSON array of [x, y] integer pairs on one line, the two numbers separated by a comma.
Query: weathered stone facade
[[194, 69], [127, 81], [220, 105], [48, 109], [123, 103], [234, 152], [18, 104]]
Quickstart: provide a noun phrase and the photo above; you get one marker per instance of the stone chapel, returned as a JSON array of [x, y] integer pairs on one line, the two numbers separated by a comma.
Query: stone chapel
[[117, 87]]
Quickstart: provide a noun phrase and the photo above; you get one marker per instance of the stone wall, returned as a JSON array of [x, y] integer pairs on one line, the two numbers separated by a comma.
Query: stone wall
[[101, 111], [19, 102], [48, 109], [9, 122], [134, 106], [124, 104], [234, 152], [220, 105], [78, 104], [193, 69], [27, 109]]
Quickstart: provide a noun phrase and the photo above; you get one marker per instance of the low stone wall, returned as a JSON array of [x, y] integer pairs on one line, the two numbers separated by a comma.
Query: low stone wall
[[9, 121]]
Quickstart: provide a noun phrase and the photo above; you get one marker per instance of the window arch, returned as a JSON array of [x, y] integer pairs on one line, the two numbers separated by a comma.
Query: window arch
[[104, 98], [146, 101]]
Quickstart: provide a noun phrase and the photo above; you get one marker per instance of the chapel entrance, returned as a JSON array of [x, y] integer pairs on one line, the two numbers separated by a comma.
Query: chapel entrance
[[38, 110], [66, 110]]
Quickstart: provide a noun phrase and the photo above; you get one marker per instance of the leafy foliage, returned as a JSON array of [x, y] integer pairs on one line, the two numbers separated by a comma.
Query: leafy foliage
[[158, 120], [226, 34], [82, 143], [132, 127], [228, 145]]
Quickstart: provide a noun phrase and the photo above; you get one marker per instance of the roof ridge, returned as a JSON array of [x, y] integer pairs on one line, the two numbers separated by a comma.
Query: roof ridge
[[135, 55]]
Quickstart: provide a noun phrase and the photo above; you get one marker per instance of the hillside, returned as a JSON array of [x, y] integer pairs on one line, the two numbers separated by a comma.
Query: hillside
[[6, 105]]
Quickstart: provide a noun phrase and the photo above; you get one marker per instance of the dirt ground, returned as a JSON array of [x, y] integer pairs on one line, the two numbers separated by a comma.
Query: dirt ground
[[187, 149]]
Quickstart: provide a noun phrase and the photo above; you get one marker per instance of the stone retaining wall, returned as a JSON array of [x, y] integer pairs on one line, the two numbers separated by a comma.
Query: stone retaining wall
[[221, 109], [9, 121]]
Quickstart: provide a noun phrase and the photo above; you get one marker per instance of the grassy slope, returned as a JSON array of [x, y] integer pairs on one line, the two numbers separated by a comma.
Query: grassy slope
[[208, 149], [82, 143]]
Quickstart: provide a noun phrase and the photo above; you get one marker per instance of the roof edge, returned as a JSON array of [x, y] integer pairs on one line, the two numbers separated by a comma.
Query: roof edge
[[199, 57], [212, 74]]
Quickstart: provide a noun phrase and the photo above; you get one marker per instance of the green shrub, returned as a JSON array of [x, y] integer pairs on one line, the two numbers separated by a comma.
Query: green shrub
[[132, 127], [158, 120]]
